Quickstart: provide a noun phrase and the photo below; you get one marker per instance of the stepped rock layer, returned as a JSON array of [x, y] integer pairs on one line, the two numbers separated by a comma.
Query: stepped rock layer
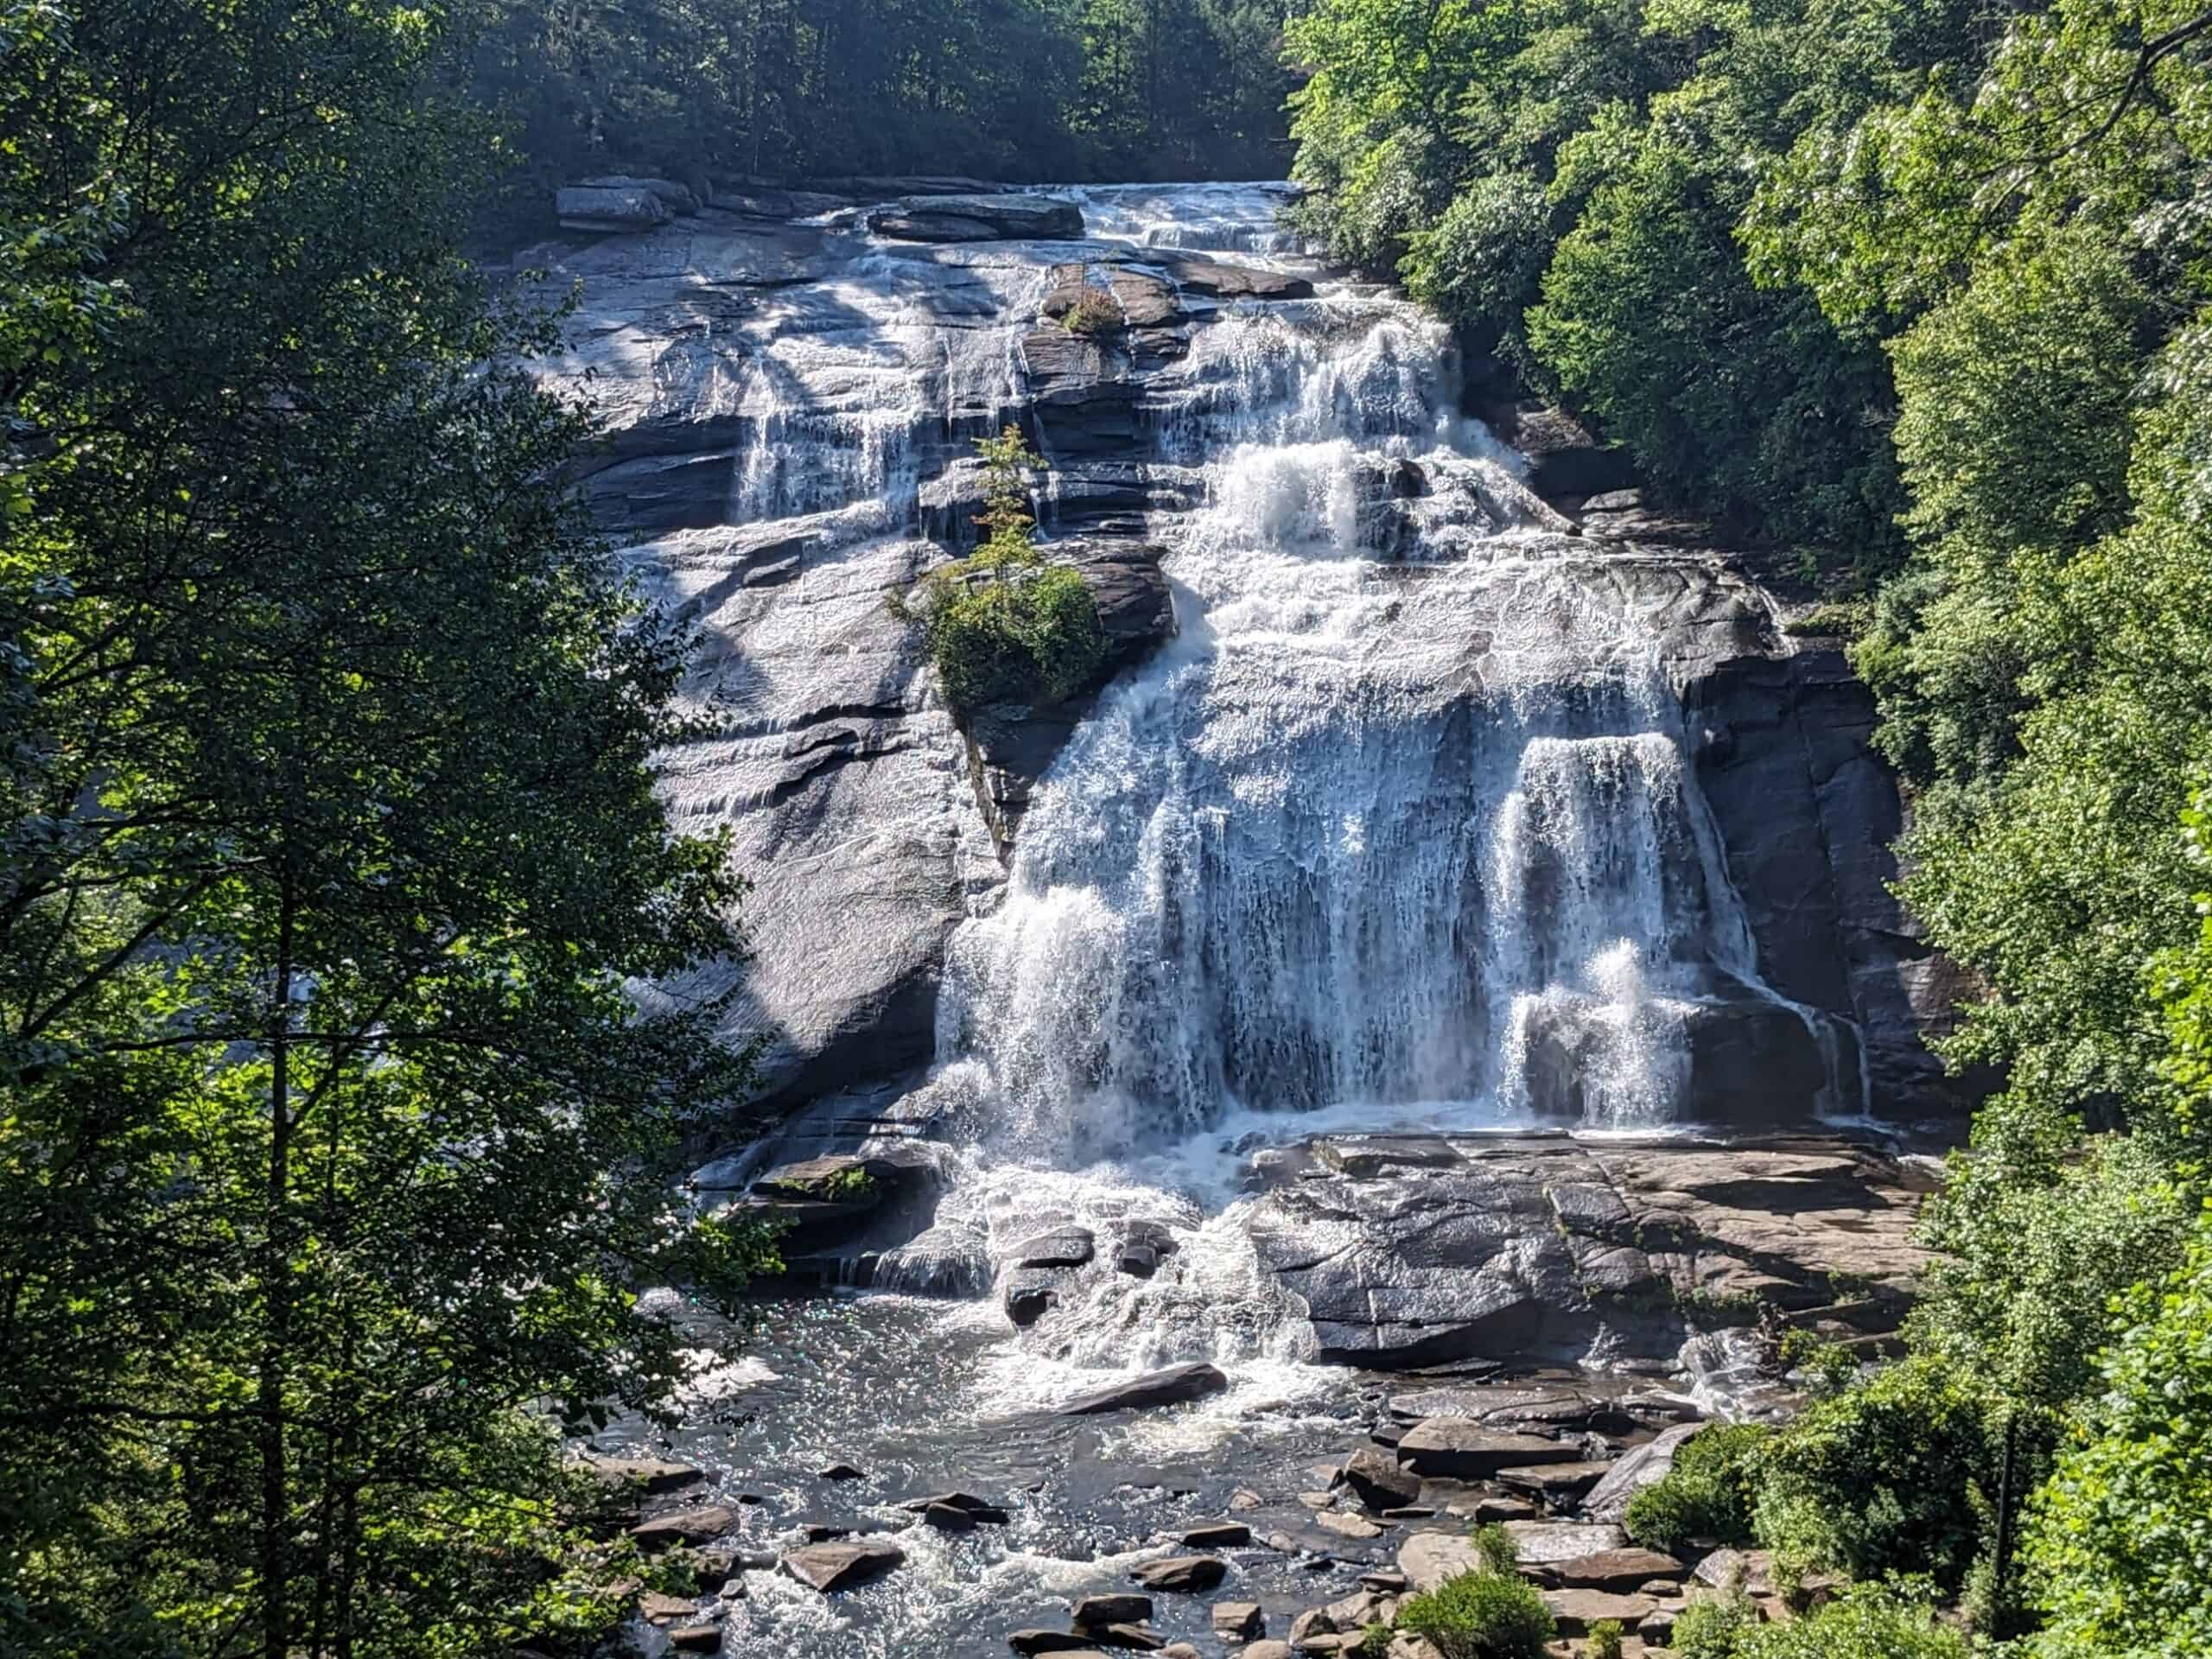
[[789, 406]]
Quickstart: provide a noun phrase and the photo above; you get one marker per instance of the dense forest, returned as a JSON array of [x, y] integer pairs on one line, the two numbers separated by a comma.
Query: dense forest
[[1012, 90], [327, 832], [1919, 291]]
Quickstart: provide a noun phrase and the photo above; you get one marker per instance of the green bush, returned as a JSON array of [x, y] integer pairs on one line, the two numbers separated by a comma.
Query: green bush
[[1496, 1550], [1094, 315], [1715, 1627], [1605, 1640], [1480, 1616], [1706, 1494], [1001, 625], [1868, 1621], [1887, 1477]]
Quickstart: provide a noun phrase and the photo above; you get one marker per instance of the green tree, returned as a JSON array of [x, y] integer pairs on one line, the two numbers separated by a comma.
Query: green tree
[[334, 1147]]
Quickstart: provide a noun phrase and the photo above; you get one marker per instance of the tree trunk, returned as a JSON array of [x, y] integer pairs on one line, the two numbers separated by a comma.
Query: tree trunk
[[276, 1630]]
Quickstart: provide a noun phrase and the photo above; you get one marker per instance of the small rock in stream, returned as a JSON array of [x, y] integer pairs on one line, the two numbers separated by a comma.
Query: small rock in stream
[[1379, 1480], [701, 1525], [841, 1471], [1173, 1386], [1239, 1621], [1064, 1247], [1184, 1574], [979, 1509], [1039, 1641], [1217, 1535], [1121, 1607], [696, 1638], [945, 1518], [832, 1568]]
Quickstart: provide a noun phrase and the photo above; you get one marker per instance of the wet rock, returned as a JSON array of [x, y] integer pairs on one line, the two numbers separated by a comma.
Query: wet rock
[[653, 1476], [1347, 1526], [1217, 1535], [1609, 1499], [979, 1509], [658, 1609], [678, 199], [1067, 1247], [1133, 1638], [1040, 1641], [945, 1518], [1175, 1385], [1621, 1570], [1314, 1621], [1029, 1295], [1245, 1499], [977, 218], [1182, 1574], [1119, 1608], [841, 1471], [834, 1566], [1379, 1481], [1459, 1448], [1218, 279], [696, 1638], [1239, 1621], [608, 211], [699, 1525], [713, 1569]]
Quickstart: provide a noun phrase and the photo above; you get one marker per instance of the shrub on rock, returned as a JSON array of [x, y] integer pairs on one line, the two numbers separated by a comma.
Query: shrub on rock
[[1706, 1494], [1001, 625], [1483, 1615]]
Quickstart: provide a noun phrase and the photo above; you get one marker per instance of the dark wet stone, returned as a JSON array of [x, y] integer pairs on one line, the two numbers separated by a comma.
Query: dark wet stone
[[1175, 1385], [829, 1568], [701, 1525], [1029, 1294], [1217, 1535], [1123, 1607], [1065, 1247], [1379, 1481], [841, 1471], [1182, 1574]]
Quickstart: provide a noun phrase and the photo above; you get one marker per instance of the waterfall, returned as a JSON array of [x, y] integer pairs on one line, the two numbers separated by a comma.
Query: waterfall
[[1403, 829]]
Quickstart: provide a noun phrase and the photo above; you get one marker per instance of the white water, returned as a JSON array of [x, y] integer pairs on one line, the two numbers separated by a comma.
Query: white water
[[1400, 832]]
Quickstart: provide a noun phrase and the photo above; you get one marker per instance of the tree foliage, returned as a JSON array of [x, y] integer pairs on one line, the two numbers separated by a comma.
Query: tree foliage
[[334, 1147]]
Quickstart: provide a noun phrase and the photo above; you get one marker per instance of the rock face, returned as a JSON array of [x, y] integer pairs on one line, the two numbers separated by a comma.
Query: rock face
[[789, 409], [995, 218], [1413, 1250]]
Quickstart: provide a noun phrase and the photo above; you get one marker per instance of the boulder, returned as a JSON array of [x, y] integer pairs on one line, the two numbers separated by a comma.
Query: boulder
[[1428, 1558], [1217, 1535], [1459, 1448], [834, 1566], [1379, 1481], [1182, 1574], [1176, 1385], [651, 1475], [696, 1638], [1132, 1639], [608, 211], [1239, 1621], [1547, 1543], [677, 198], [701, 1524], [841, 1471], [945, 1518], [1029, 1294], [977, 218], [1121, 1607], [1066, 1247], [1042, 1641], [1347, 1526], [1638, 1468], [1575, 1610], [1219, 280], [975, 1509], [1617, 1569]]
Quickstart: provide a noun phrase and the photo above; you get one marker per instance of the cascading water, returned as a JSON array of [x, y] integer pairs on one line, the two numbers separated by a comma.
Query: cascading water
[[1399, 830]]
